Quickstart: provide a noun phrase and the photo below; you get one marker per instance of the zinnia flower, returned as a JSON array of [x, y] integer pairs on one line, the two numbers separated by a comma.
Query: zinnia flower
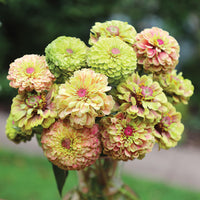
[[156, 50], [30, 72], [114, 28], [66, 55], [69, 148], [14, 133], [175, 85], [126, 139], [112, 57], [32, 109], [169, 129], [141, 97], [83, 98]]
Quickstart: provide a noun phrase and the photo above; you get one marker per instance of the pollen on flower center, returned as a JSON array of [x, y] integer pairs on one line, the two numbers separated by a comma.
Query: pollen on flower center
[[115, 51], [66, 143], [70, 51], [82, 92], [114, 30], [160, 41], [128, 131], [30, 70]]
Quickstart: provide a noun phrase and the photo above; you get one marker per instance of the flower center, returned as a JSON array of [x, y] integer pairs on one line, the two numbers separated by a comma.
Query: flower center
[[115, 51], [30, 70], [160, 41], [82, 92], [114, 30], [128, 131], [36, 101], [70, 51], [146, 91], [160, 128], [66, 143]]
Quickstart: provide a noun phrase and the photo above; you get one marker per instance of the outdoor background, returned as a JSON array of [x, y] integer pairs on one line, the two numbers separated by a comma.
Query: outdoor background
[[27, 27]]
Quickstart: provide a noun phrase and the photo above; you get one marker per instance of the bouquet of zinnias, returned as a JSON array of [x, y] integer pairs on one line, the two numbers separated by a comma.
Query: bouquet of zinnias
[[115, 98]]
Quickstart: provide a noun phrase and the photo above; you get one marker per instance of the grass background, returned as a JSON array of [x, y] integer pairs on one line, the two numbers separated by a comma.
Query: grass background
[[24, 177]]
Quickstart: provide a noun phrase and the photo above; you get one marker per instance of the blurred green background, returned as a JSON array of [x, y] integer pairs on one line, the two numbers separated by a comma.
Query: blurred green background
[[26, 27]]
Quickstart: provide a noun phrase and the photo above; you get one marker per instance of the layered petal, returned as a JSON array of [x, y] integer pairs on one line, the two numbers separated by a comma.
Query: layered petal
[[126, 139], [156, 50], [70, 148], [112, 57], [29, 73]]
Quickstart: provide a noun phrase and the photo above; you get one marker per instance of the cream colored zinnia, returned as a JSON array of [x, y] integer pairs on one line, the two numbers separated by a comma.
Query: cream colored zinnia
[[30, 72], [83, 98]]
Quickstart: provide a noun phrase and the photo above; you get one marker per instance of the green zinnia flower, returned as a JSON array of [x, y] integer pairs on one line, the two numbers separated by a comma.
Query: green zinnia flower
[[15, 134], [65, 55], [114, 28], [169, 129], [112, 57], [175, 85]]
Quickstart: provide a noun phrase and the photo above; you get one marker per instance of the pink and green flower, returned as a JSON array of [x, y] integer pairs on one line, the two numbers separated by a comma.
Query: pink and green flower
[[70, 148], [141, 97], [32, 109], [29, 73], [124, 138], [176, 86], [156, 50], [169, 130]]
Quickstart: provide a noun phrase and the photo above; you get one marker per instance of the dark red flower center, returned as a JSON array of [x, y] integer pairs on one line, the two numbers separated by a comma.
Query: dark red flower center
[[128, 131], [66, 143]]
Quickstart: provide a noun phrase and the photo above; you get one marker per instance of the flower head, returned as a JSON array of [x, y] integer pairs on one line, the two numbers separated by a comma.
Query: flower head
[[141, 97], [112, 57], [169, 130], [83, 98], [69, 148], [126, 139], [14, 133], [30, 72], [175, 85], [114, 28], [156, 50], [66, 55], [32, 109]]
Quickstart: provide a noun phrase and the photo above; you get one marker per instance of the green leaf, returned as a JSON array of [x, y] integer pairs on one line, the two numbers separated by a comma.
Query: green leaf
[[60, 176]]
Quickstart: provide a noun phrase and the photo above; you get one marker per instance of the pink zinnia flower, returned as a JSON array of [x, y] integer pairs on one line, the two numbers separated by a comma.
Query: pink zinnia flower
[[124, 138], [30, 72], [156, 50], [70, 148]]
